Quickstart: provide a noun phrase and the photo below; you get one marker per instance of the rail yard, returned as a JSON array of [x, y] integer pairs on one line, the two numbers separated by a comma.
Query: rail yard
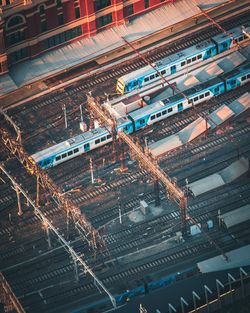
[[114, 223]]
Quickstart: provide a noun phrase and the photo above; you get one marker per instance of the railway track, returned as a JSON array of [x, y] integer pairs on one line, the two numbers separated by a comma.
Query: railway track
[[75, 95]]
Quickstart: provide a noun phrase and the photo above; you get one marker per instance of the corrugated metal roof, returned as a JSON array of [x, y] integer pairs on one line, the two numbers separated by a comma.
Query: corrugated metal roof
[[87, 48], [237, 216], [219, 116], [241, 104], [225, 176]]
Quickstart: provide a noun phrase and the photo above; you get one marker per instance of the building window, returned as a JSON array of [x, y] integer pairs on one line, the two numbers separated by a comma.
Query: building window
[[14, 21], [58, 3], [146, 4], [77, 12], [104, 20], [101, 4], [128, 10], [18, 55], [62, 37], [43, 26], [15, 38], [60, 19]]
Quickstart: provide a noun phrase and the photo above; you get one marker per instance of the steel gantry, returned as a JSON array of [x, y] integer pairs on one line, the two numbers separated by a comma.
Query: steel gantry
[[8, 298], [82, 225], [78, 260], [146, 161]]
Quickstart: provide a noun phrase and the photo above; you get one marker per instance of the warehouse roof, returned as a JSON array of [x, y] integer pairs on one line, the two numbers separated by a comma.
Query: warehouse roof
[[236, 258], [237, 216], [88, 48]]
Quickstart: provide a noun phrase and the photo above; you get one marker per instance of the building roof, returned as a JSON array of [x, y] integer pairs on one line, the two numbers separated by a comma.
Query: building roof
[[237, 216], [225, 176], [85, 49], [236, 258]]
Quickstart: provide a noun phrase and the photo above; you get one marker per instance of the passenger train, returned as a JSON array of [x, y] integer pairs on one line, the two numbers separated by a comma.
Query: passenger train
[[181, 60], [142, 117]]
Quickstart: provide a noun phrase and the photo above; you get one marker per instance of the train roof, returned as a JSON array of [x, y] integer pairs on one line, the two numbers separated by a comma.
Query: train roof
[[173, 58], [69, 144], [149, 109], [235, 32], [239, 70], [193, 90]]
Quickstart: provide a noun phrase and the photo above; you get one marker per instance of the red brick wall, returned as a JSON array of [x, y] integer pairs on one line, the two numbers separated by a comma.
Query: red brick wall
[[87, 20]]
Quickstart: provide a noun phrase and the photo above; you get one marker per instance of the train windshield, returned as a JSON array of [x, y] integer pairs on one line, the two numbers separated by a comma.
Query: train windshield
[[120, 86]]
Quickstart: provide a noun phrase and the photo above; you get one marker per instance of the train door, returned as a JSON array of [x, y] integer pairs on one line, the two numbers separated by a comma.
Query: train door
[[173, 69], [180, 107]]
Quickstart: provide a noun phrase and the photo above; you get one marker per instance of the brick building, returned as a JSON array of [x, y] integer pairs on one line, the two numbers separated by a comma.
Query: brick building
[[31, 27]]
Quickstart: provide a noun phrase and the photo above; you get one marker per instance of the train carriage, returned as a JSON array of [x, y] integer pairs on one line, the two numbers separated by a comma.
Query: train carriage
[[72, 147], [237, 77], [181, 60], [177, 103], [225, 42], [167, 66]]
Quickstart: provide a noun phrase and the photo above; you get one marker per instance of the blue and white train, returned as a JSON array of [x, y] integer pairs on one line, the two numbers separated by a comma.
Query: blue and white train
[[181, 60], [140, 118]]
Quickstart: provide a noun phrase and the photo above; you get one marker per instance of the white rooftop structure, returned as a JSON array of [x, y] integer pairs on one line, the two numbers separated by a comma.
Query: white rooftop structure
[[231, 61], [241, 104], [236, 258], [184, 136], [237, 216], [225, 176], [88, 48], [219, 116]]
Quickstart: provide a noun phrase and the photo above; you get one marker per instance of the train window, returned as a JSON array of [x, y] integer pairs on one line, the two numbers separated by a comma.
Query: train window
[[193, 59], [97, 141], [199, 56], [103, 139], [180, 106], [70, 152], [243, 78], [142, 121], [207, 94], [170, 110], [86, 146], [152, 76], [188, 61], [152, 117], [183, 63], [224, 45], [158, 114], [241, 38], [248, 76], [196, 98], [64, 155], [157, 74], [76, 150], [201, 96], [109, 136], [146, 79], [190, 101], [163, 72], [58, 158], [164, 112], [216, 89]]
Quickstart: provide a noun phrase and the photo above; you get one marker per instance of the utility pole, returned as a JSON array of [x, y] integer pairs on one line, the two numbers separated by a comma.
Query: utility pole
[[65, 115], [81, 115], [91, 170]]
